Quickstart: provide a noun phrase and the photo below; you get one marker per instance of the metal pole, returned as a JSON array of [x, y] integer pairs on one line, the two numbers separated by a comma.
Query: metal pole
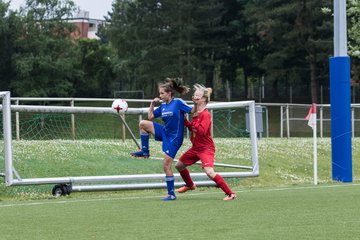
[[128, 128], [281, 121], [72, 104], [127, 178], [340, 98], [253, 137], [6, 104], [340, 28], [287, 122], [352, 122], [267, 121], [212, 125], [17, 122], [321, 122], [123, 128]]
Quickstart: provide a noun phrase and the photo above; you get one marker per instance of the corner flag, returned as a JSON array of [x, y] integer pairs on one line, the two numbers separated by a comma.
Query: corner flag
[[311, 117]]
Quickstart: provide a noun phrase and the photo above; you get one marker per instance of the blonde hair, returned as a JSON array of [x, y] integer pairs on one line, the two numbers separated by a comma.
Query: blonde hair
[[176, 84], [206, 91]]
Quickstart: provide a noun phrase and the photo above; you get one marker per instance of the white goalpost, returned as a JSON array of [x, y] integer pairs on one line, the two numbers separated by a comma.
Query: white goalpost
[[6, 112], [65, 185]]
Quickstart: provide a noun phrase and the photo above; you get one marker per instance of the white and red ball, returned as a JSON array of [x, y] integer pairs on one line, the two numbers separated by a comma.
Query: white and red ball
[[119, 106]]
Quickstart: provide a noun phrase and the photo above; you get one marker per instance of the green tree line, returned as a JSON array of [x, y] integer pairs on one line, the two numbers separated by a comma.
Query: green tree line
[[272, 50]]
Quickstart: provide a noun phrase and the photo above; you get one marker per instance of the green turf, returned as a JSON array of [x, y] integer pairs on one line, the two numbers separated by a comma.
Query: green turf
[[322, 212], [282, 203]]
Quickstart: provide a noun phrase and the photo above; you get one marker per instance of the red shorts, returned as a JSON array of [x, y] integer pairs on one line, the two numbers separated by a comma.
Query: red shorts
[[191, 156]]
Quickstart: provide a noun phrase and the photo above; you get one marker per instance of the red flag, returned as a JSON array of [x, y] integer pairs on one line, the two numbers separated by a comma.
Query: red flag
[[311, 117]]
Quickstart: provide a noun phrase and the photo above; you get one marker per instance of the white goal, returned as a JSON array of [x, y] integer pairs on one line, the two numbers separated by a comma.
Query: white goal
[[66, 184]]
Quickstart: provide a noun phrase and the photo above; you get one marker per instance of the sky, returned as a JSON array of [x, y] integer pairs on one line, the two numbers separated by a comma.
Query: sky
[[97, 8]]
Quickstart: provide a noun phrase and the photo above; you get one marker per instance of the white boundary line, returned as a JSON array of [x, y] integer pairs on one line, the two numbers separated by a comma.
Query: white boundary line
[[33, 203]]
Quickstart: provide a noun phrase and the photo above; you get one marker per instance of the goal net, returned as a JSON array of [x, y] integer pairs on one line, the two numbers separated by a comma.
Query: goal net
[[81, 146]]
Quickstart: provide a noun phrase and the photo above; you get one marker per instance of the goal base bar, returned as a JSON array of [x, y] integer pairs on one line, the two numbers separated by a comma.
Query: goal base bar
[[134, 186], [90, 179]]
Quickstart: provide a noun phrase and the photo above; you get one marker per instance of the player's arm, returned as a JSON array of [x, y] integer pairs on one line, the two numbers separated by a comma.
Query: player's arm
[[194, 110], [151, 115], [187, 123]]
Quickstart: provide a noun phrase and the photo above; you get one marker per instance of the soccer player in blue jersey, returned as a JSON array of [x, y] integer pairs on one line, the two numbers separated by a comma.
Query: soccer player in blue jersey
[[172, 111]]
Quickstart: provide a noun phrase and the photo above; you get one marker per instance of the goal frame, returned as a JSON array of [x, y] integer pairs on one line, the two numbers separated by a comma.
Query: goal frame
[[10, 171], [6, 113]]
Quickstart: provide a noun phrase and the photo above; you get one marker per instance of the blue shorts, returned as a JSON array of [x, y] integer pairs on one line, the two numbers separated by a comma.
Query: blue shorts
[[168, 147]]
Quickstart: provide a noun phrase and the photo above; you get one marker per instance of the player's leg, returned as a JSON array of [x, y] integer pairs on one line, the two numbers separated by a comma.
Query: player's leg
[[187, 159], [207, 162], [170, 151], [220, 182], [146, 128], [169, 178]]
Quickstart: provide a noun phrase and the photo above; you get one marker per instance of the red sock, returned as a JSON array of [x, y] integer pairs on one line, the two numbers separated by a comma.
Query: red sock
[[219, 180], [186, 177]]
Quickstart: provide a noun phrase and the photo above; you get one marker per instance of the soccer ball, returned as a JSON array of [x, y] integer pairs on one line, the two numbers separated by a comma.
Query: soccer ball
[[119, 106]]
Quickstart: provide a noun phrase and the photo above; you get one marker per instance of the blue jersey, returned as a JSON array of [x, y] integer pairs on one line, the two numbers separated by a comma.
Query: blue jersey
[[173, 116]]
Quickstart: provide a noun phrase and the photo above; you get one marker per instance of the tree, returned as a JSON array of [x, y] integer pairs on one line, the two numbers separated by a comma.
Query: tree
[[44, 51], [156, 39], [353, 12], [8, 28], [295, 41], [238, 60], [209, 37], [135, 35], [95, 63]]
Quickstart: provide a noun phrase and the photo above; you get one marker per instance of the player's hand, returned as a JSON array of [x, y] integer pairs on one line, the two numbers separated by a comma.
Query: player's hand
[[195, 99], [156, 100]]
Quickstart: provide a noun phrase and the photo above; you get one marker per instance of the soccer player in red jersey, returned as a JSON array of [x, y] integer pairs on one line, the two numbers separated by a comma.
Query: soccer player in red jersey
[[203, 147]]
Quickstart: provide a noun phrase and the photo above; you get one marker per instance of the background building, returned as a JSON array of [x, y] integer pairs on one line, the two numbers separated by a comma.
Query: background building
[[86, 27]]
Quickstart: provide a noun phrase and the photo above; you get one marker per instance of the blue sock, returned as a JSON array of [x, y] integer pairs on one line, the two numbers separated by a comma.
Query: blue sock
[[144, 142], [170, 184]]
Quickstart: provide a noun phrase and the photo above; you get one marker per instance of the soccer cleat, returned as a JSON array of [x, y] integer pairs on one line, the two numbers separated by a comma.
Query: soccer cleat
[[186, 188], [230, 197], [140, 154], [169, 197]]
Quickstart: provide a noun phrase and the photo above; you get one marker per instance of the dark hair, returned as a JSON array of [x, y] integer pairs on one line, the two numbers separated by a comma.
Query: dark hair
[[176, 84]]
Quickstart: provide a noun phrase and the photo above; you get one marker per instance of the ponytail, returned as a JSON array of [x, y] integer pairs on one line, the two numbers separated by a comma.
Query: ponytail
[[176, 84]]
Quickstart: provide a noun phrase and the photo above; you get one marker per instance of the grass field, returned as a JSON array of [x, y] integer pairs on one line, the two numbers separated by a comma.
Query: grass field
[[323, 212], [282, 203]]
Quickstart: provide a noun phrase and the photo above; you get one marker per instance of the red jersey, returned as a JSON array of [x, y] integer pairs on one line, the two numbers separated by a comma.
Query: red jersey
[[200, 128]]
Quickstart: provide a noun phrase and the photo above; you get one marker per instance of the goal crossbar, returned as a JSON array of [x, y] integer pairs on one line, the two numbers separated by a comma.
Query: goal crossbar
[[102, 110]]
